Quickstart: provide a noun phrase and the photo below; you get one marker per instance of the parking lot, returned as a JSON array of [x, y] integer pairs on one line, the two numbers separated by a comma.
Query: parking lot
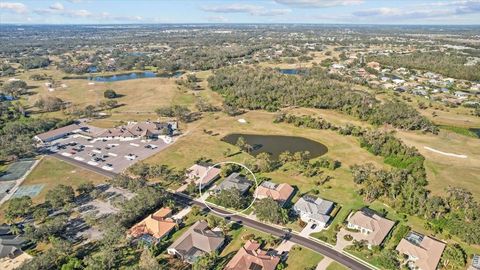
[[110, 155]]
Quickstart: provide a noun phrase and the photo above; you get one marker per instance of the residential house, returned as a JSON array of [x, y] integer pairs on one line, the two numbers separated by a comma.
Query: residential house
[[461, 94], [237, 181], [312, 209], [338, 66], [423, 252], [374, 65], [252, 257], [154, 227], [202, 173], [10, 245], [398, 81], [475, 262], [279, 192], [197, 241], [372, 227]]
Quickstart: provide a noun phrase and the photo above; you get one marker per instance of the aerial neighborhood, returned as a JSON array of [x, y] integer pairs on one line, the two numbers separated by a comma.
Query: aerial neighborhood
[[256, 135]]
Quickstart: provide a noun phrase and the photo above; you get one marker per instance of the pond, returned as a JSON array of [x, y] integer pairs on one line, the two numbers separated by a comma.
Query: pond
[[292, 71], [277, 144], [134, 75]]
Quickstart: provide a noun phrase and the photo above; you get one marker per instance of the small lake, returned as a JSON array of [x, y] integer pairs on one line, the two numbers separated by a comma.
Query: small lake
[[134, 75], [292, 71], [277, 144]]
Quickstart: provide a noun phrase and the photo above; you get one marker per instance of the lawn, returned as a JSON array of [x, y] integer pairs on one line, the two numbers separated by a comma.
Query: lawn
[[336, 266], [444, 171], [237, 241], [461, 130], [51, 172], [302, 258]]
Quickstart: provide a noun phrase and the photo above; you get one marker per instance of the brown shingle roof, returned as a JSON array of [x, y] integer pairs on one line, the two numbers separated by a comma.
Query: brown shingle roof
[[379, 226], [200, 237], [251, 254], [428, 251]]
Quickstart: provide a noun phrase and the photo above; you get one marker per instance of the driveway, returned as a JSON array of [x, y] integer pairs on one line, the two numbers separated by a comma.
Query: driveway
[[341, 242], [308, 229]]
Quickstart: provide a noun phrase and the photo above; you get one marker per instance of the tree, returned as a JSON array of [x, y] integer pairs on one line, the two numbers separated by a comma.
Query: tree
[[109, 93], [241, 143], [15, 88], [72, 264], [40, 214], [231, 198], [264, 163], [148, 261], [18, 208], [214, 221], [454, 257], [60, 195], [49, 103], [85, 188], [389, 259], [269, 210], [206, 262], [182, 113], [89, 111]]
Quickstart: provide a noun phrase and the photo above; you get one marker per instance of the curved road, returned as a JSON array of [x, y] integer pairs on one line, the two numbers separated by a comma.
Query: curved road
[[303, 241]]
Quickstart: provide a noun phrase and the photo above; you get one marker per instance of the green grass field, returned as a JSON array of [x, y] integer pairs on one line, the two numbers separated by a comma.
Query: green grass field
[[336, 266], [51, 172], [302, 258]]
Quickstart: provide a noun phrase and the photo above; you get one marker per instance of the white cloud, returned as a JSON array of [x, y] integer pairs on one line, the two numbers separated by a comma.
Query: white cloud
[[440, 9], [246, 8], [318, 3], [14, 7], [57, 6]]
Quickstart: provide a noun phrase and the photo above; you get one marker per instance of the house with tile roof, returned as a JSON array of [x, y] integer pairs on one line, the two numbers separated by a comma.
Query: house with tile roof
[[202, 173], [154, 227], [251, 256], [423, 252], [197, 241], [372, 227], [312, 209], [279, 192]]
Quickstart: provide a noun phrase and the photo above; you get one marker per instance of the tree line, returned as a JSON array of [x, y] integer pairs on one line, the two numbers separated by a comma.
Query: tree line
[[257, 88], [404, 186]]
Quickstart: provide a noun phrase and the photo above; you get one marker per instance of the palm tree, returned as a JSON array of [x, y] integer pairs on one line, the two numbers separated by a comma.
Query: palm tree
[[15, 230]]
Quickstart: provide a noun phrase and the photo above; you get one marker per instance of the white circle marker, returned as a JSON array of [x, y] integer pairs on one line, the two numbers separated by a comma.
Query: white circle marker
[[237, 212]]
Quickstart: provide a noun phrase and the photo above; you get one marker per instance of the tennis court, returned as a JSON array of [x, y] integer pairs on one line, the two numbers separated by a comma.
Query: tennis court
[[30, 190], [4, 186], [17, 170]]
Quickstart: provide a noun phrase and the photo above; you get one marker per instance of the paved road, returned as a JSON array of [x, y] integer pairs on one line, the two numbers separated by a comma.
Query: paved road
[[306, 242], [303, 241]]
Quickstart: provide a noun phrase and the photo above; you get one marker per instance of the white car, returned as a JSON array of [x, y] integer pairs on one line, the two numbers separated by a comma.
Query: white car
[[130, 156]]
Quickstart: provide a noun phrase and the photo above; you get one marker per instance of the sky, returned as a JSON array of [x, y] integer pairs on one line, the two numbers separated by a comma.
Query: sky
[[240, 11]]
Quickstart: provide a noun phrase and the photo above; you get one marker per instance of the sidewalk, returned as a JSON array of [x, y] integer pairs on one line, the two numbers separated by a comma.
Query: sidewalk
[[324, 263]]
